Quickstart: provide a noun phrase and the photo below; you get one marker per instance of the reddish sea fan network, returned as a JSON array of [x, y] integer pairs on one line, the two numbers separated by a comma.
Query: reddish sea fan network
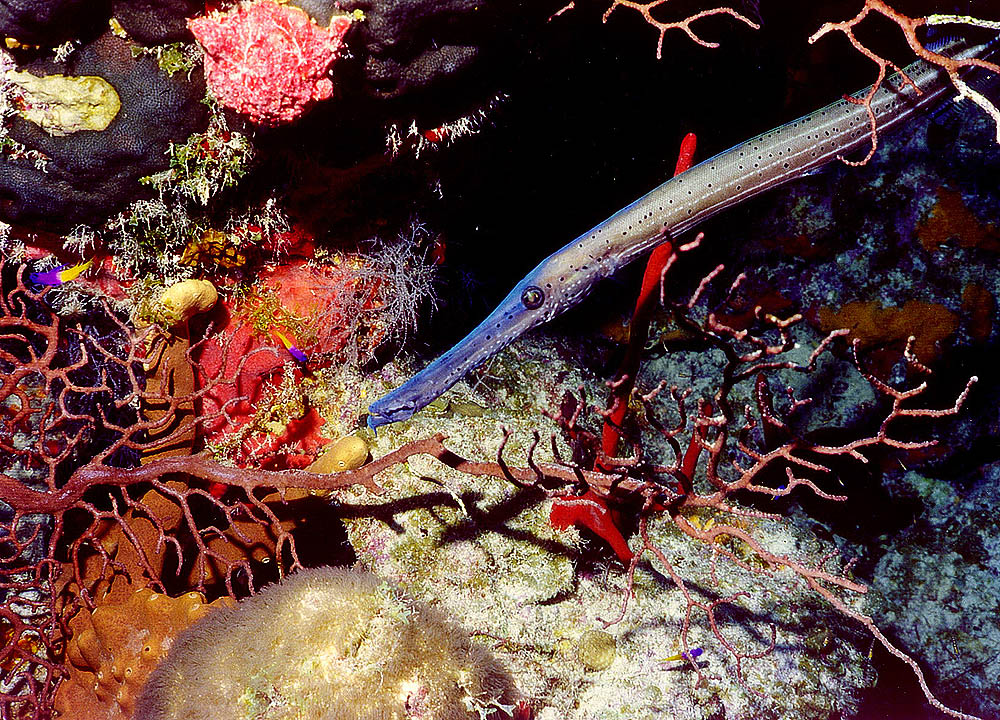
[[268, 61], [100, 493]]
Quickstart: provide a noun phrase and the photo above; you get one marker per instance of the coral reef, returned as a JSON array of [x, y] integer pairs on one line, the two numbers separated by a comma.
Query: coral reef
[[752, 514], [904, 273], [81, 518], [113, 648], [328, 642]]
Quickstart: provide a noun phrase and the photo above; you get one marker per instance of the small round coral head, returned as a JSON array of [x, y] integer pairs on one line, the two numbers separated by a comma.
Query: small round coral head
[[688, 655], [290, 347]]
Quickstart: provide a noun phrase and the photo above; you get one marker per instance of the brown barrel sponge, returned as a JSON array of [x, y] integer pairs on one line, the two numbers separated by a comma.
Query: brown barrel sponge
[[327, 644]]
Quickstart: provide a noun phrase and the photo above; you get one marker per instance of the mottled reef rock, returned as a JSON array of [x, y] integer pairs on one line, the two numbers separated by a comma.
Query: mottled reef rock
[[156, 22], [939, 581], [50, 22]]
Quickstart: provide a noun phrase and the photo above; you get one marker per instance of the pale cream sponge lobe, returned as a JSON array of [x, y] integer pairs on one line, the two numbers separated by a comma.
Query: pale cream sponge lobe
[[327, 644]]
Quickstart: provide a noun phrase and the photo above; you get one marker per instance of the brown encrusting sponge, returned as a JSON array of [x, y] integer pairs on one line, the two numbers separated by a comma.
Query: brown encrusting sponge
[[115, 647]]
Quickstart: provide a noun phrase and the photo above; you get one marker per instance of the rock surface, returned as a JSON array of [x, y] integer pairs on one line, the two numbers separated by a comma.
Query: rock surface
[[156, 22], [411, 46], [50, 22]]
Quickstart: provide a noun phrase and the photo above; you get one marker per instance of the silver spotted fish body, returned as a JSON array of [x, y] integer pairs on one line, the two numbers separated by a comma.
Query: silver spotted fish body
[[761, 163]]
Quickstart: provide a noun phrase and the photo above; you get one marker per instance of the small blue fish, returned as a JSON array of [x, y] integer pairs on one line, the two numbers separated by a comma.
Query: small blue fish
[[689, 655], [290, 347], [60, 275]]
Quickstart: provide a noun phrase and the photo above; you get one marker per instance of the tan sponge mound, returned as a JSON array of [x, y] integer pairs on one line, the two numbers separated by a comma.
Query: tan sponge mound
[[327, 644]]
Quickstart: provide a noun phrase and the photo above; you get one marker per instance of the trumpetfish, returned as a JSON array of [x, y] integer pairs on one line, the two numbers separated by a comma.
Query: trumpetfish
[[773, 158]]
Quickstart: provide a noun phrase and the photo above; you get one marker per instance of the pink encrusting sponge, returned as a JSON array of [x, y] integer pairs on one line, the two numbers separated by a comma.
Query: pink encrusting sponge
[[268, 61]]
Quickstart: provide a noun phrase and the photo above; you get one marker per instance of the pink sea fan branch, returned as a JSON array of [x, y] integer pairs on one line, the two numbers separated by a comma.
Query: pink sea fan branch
[[646, 10]]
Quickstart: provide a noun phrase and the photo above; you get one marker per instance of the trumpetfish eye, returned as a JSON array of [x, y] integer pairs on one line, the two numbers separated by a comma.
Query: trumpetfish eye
[[532, 297]]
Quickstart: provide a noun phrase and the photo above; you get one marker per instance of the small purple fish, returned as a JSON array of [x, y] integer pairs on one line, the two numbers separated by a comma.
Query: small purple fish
[[59, 275], [290, 347], [689, 655]]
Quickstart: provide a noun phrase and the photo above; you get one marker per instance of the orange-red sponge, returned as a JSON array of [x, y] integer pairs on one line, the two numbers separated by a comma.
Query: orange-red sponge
[[268, 61]]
